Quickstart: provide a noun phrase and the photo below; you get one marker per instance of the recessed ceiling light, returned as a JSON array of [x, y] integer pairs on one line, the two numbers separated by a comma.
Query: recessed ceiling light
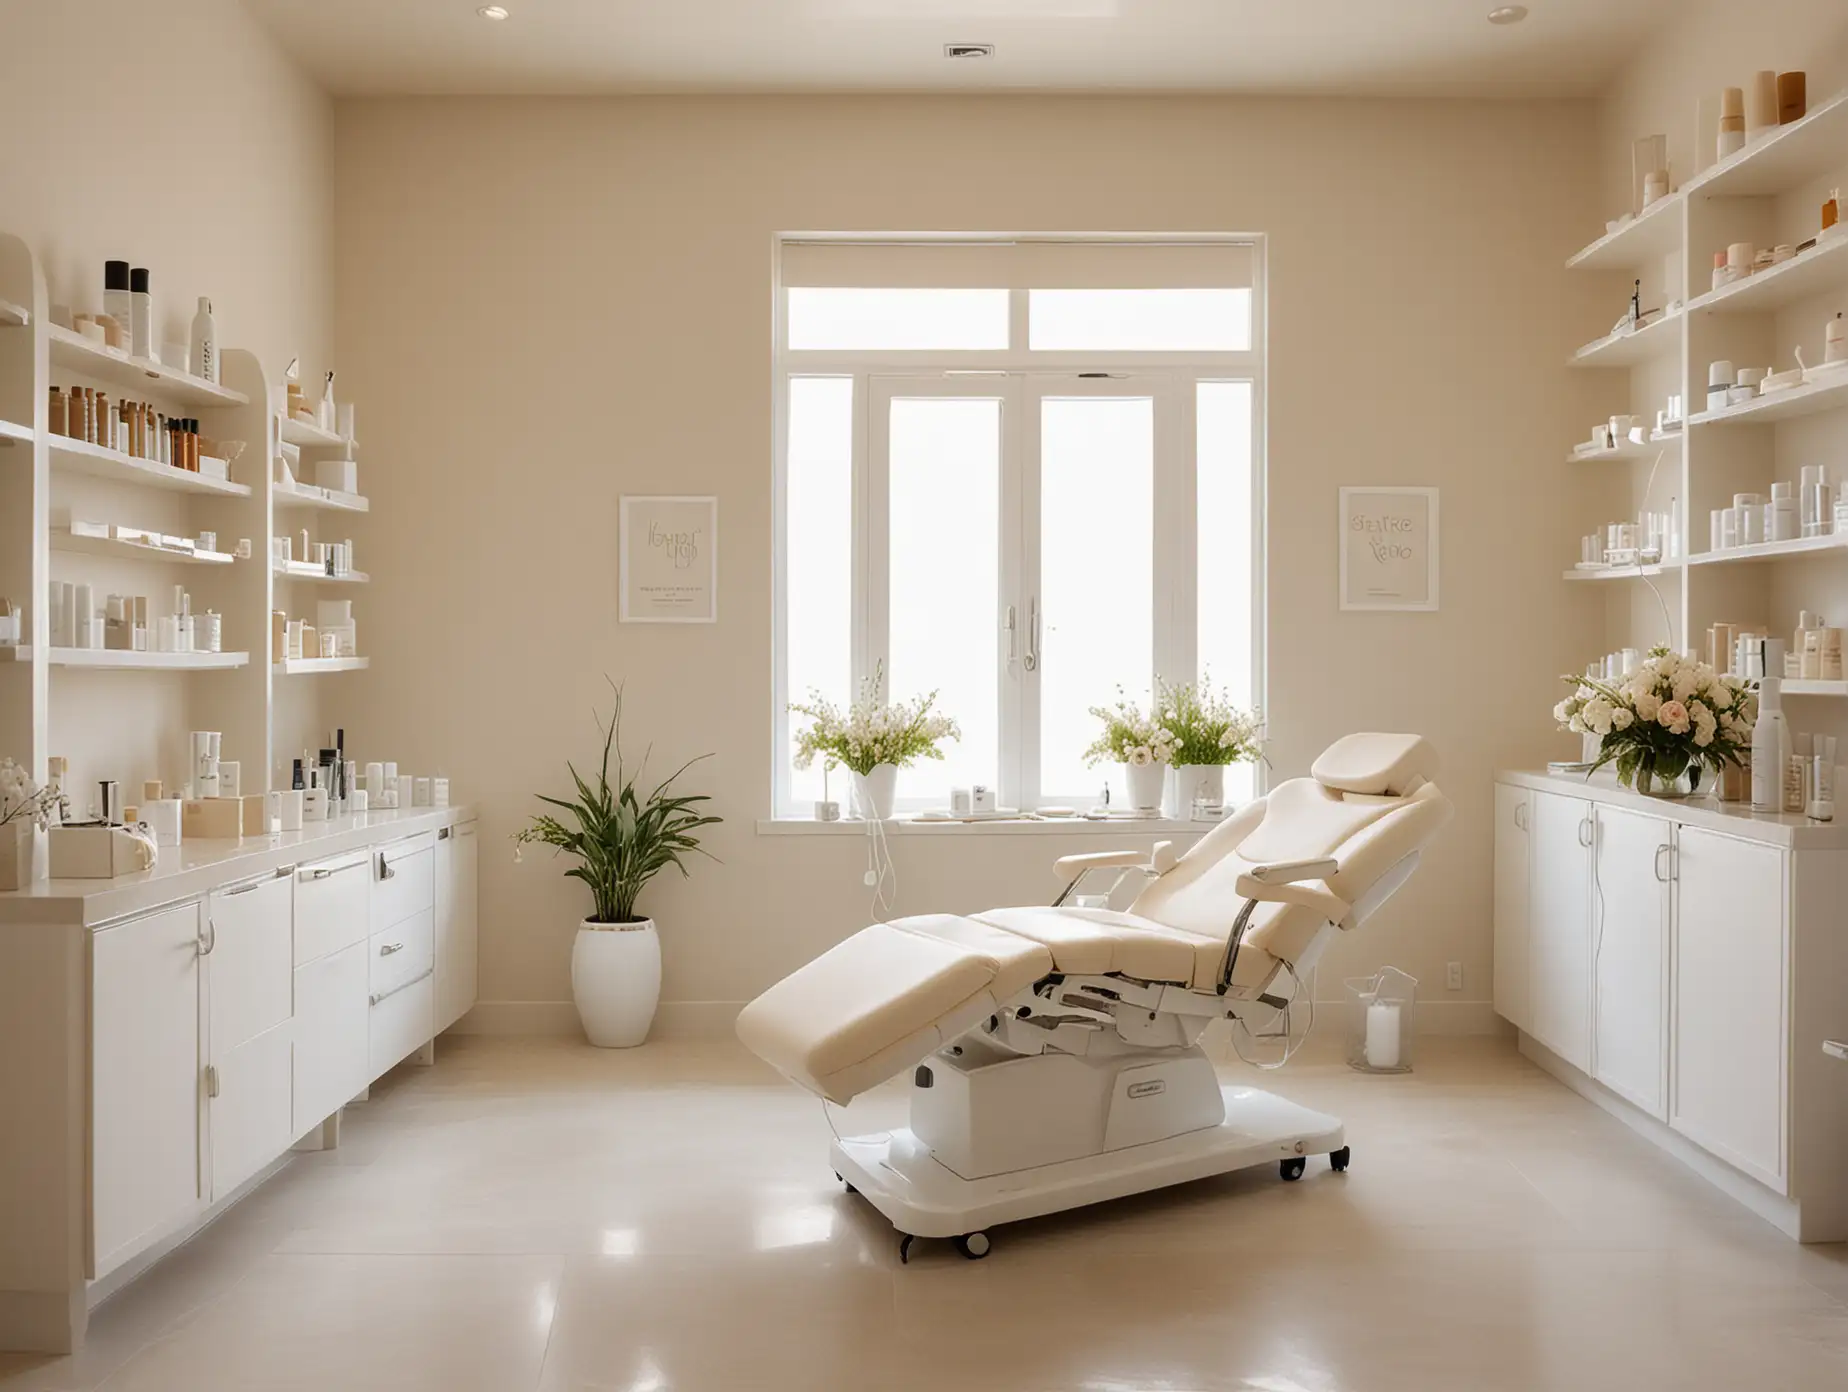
[[493, 12], [1508, 14], [968, 50]]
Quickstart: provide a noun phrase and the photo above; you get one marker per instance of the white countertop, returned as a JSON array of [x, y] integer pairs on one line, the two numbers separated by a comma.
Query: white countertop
[[196, 866], [1795, 833]]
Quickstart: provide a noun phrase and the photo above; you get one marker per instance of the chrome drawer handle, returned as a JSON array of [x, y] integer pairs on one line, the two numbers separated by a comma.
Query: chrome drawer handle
[[209, 939], [424, 975], [1836, 1048], [390, 948], [385, 870], [319, 874], [245, 888]]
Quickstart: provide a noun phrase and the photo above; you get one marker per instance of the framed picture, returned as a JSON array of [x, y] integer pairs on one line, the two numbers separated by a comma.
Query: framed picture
[[669, 560], [1389, 548]]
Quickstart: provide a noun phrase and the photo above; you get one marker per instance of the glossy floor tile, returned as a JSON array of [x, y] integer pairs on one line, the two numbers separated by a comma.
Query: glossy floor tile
[[538, 1214]]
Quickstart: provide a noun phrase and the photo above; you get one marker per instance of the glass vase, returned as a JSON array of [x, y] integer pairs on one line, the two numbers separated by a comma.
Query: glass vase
[[1650, 783]]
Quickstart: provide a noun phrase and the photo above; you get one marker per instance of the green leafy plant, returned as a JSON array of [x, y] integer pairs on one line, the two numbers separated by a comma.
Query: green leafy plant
[[622, 838], [870, 732], [1207, 727]]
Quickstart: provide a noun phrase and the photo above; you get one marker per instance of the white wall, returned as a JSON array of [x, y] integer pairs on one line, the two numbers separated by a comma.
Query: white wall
[[177, 136], [543, 304]]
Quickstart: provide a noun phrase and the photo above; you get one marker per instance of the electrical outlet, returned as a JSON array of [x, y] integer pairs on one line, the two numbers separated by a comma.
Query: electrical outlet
[[1453, 976]]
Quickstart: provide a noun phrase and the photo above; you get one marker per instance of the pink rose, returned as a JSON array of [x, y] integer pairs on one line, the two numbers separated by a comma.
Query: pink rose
[[1673, 717]]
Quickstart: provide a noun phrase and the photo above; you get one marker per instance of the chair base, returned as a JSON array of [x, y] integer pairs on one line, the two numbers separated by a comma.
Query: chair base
[[897, 1174]]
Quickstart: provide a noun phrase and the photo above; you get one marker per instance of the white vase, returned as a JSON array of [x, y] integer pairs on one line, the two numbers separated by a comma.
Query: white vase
[[1199, 783], [1145, 785], [616, 981], [16, 844], [874, 793]]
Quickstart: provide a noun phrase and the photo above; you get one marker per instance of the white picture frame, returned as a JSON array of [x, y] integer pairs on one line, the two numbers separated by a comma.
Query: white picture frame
[[1389, 542], [668, 559]]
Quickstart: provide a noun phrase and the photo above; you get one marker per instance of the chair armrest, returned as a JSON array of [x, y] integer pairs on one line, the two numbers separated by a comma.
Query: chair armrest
[[1314, 897], [1159, 861], [1290, 871]]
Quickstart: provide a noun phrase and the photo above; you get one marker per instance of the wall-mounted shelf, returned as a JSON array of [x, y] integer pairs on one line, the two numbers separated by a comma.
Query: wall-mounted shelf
[[82, 457], [307, 435], [306, 495], [63, 539], [1629, 349], [146, 661], [1652, 235], [1627, 572], [14, 316], [307, 666], [1789, 156], [1629, 449], [10, 433], [1771, 550], [1819, 269], [308, 570], [72, 350], [1828, 393], [1794, 687]]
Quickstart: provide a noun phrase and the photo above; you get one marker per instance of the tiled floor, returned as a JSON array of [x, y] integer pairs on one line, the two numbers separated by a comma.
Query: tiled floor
[[536, 1214]]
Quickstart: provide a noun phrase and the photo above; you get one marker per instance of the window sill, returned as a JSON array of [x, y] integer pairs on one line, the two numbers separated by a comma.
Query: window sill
[[1050, 826]]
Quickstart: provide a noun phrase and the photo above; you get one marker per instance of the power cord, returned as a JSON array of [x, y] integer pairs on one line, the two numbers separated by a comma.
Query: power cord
[[881, 871]]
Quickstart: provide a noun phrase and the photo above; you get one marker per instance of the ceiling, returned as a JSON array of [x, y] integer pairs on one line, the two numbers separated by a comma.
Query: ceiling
[[1402, 47]]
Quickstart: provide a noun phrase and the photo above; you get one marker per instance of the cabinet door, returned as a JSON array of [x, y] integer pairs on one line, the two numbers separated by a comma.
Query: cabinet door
[[250, 981], [144, 1082], [331, 1013], [1731, 966], [1559, 927], [457, 858], [1513, 811], [1630, 892]]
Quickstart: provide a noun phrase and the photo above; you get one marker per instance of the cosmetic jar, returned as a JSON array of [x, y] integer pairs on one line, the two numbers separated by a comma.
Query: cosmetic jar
[[1783, 523], [291, 808], [1739, 258], [421, 793], [1716, 529]]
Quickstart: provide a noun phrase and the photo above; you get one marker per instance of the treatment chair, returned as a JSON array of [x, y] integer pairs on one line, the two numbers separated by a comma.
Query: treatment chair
[[1054, 1052]]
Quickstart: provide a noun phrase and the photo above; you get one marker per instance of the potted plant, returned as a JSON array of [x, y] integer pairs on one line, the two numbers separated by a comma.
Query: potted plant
[[1139, 741], [622, 838], [1665, 723], [25, 809], [1209, 733], [874, 740]]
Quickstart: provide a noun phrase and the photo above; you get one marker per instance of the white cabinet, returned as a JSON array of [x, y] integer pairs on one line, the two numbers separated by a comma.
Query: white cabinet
[[402, 952], [1632, 872], [457, 866], [1559, 927], [1730, 979], [145, 1082], [331, 1014], [1513, 859], [250, 973]]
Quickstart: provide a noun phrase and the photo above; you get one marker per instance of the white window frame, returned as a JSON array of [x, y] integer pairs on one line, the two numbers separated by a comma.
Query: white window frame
[[1026, 377]]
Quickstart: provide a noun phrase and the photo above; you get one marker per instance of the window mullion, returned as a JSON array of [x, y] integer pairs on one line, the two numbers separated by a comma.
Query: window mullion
[[872, 423], [1175, 535], [1016, 786]]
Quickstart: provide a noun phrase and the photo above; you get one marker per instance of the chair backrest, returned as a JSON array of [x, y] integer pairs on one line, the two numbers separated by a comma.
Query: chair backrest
[[1369, 804]]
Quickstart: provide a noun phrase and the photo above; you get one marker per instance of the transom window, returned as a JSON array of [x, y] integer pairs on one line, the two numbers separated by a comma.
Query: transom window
[[1023, 474]]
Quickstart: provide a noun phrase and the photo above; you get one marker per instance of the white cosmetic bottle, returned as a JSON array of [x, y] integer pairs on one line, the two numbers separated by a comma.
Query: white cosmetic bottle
[[1771, 743], [202, 360], [141, 312]]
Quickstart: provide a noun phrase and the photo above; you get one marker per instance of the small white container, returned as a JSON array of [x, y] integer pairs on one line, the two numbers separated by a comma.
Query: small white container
[[1381, 1033]]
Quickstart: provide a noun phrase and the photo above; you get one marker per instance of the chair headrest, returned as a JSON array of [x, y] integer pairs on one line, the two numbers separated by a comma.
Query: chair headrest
[[1376, 765]]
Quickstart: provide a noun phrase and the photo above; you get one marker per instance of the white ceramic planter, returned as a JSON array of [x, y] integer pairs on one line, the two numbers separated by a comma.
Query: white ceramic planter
[[875, 793], [616, 981], [1145, 785], [1198, 783]]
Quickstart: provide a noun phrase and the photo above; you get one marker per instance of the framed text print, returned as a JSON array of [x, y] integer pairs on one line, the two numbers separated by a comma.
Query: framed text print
[[1389, 548], [669, 560]]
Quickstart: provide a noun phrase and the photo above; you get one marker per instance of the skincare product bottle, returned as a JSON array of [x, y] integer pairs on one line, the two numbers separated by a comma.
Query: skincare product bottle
[[1822, 779], [1796, 775], [1761, 116], [1835, 340], [141, 312], [1785, 524], [118, 302], [327, 416], [202, 359], [1732, 122], [1792, 97], [1771, 743], [1818, 501]]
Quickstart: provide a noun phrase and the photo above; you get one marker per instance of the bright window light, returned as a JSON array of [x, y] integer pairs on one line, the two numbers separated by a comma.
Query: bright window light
[[1139, 321], [841, 318], [1223, 547], [818, 566]]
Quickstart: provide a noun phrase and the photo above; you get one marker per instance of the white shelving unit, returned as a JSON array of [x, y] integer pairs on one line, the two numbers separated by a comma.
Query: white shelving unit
[[308, 435], [1627, 450], [14, 316], [1767, 195], [14, 434], [105, 659], [82, 457], [1625, 572], [306, 495], [63, 539], [308, 666], [308, 570], [84, 358]]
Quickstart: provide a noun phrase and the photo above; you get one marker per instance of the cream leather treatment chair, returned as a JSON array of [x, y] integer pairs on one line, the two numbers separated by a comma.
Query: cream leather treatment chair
[[1054, 1052]]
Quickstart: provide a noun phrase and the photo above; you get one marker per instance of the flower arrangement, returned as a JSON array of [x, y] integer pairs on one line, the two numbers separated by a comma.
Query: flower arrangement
[[21, 800], [1131, 736], [1672, 716], [1207, 727], [870, 732]]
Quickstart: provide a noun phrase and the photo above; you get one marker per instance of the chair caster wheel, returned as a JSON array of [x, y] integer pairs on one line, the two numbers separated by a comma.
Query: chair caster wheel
[[974, 1245], [1338, 1160], [839, 1180], [1292, 1169]]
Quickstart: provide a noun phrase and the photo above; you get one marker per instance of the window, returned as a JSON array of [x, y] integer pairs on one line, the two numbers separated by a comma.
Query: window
[[1024, 475]]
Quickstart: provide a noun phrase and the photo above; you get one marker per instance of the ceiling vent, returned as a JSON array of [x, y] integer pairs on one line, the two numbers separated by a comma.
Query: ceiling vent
[[968, 50]]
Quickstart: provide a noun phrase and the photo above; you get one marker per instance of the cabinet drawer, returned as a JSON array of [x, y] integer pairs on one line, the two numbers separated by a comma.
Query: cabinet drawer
[[402, 1023], [249, 956], [403, 880], [402, 953], [331, 905], [332, 1007]]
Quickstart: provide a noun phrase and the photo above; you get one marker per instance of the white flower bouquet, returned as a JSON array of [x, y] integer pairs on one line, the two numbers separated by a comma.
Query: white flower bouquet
[[1672, 716], [1131, 736], [870, 732], [1207, 727], [21, 800]]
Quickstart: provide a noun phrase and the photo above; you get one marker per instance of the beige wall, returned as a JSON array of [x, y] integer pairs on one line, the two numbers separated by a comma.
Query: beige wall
[[177, 136], [545, 304]]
